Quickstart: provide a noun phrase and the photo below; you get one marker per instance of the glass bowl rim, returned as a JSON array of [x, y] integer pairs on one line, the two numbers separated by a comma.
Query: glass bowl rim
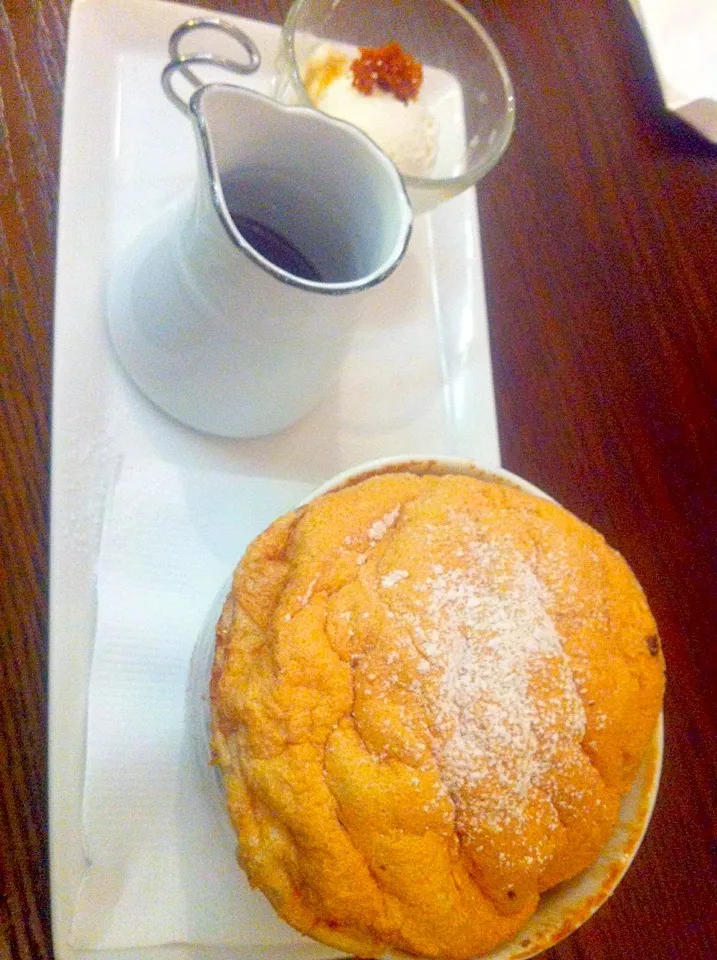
[[475, 172]]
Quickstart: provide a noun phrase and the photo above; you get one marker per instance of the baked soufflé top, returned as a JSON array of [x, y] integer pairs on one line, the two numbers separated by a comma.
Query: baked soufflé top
[[429, 695]]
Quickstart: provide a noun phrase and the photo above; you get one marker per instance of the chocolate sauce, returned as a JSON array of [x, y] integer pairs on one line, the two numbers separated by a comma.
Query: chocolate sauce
[[275, 247]]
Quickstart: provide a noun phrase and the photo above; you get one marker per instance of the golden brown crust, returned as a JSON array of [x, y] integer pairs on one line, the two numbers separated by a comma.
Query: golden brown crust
[[429, 694]]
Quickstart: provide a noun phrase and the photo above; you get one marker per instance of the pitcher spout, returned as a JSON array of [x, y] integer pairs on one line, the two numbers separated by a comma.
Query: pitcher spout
[[304, 196]]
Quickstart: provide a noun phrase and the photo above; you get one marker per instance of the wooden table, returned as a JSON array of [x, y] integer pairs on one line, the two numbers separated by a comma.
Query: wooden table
[[600, 245]]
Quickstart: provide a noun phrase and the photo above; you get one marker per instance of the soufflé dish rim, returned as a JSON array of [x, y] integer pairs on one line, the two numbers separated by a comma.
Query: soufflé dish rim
[[564, 908]]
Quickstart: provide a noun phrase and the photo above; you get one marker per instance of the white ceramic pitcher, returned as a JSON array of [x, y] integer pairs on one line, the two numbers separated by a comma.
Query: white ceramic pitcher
[[234, 311]]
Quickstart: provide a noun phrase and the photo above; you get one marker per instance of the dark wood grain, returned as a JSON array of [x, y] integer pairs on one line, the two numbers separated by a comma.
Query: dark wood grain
[[600, 242], [31, 58]]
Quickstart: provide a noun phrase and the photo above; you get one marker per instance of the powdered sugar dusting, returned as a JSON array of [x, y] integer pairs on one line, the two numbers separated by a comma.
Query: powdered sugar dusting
[[377, 531], [488, 639], [392, 578], [304, 599]]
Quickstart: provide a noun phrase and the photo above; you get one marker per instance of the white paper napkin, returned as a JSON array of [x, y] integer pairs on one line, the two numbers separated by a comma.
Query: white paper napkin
[[160, 860], [682, 37]]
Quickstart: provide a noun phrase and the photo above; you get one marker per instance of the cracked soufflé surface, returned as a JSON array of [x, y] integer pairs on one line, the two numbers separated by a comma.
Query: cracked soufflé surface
[[428, 696]]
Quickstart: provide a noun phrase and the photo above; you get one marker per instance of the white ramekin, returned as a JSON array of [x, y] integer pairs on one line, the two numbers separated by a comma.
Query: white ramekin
[[564, 908]]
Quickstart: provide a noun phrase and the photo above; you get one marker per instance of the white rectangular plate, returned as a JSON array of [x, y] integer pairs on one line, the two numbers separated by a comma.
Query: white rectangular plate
[[417, 379]]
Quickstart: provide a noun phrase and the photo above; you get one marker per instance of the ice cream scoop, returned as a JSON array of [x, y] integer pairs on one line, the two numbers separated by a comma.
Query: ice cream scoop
[[403, 129]]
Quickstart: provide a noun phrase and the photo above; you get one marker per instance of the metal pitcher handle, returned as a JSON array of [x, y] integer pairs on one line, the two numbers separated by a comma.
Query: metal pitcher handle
[[182, 62]]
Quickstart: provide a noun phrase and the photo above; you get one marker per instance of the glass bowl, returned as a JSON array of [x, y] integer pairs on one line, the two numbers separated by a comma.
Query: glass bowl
[[466, 87]]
